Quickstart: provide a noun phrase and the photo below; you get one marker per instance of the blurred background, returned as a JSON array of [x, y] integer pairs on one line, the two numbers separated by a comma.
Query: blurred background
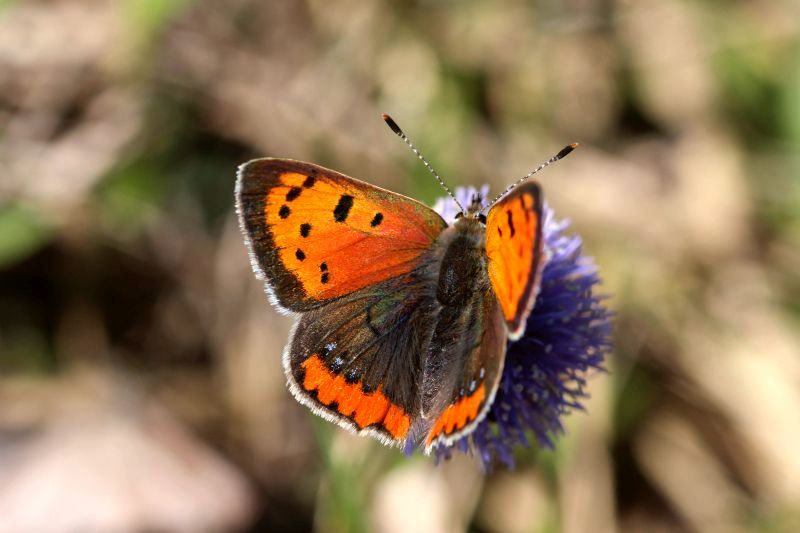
[[140, 378]]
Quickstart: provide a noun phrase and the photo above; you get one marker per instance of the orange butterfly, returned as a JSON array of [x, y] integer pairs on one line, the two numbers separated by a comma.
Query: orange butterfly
[[402, 321]]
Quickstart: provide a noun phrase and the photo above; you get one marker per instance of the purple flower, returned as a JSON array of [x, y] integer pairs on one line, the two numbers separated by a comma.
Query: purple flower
[[568, 333]]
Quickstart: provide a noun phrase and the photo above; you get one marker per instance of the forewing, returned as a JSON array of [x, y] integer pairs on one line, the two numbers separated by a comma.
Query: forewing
[[514, 249], [315, 235], [358, 361]]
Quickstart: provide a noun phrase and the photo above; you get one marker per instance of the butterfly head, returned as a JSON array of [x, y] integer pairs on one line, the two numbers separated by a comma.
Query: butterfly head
[[474, 209]]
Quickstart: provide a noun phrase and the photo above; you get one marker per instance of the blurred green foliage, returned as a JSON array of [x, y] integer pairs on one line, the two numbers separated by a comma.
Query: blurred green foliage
[[22, 232]]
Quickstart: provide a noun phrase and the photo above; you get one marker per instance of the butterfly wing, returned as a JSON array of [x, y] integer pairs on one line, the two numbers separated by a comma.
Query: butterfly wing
[[315, 235], [358, 361], [476, 364], [515, 252]]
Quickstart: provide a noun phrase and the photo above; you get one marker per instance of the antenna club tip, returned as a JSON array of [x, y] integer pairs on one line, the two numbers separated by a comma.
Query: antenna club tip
[[392, 124], [566, 150]]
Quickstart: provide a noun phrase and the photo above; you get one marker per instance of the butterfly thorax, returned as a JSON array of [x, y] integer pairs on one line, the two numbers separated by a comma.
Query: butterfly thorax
[[462, 269]]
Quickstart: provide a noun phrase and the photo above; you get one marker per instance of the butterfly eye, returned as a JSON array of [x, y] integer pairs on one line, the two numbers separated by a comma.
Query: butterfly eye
[[482, 218], [459, 215]]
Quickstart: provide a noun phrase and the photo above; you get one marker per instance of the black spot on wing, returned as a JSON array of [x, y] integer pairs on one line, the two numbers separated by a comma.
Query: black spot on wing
[[309, 182], [323, 267], [510, 223], [284, 211], [377, 219], [300, 255], [293, 193], [325, 277], [305, 229], [343, 208]]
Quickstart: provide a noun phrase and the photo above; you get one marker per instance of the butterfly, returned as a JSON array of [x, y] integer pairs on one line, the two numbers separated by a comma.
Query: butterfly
[[402, 320]]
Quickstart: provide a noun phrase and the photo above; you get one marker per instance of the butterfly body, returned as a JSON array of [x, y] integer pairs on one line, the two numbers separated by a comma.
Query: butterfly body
[[462, 268], [402, 320]]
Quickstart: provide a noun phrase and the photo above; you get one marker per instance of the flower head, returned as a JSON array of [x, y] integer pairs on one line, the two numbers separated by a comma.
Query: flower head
[[567, 334]]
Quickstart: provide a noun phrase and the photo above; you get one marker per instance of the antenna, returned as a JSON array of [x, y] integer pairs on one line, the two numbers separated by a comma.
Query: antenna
[[395, 128], [560, 155]]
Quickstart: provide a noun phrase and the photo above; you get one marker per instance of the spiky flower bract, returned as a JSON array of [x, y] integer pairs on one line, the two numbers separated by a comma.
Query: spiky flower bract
[[568, 333]]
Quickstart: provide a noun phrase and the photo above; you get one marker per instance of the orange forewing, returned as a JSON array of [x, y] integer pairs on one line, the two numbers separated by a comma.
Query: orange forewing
[[317, 234], [514, 249]]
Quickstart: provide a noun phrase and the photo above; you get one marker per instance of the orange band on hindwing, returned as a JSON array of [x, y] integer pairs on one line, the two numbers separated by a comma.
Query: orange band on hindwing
[[349, 399], [458, 415]]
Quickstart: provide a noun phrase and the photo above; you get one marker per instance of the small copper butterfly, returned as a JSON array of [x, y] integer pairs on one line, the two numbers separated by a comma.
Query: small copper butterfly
[[402, 320]]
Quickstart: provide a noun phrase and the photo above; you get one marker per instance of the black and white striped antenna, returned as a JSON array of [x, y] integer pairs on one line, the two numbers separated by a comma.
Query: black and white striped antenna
[[395, 128], [560, 155]]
